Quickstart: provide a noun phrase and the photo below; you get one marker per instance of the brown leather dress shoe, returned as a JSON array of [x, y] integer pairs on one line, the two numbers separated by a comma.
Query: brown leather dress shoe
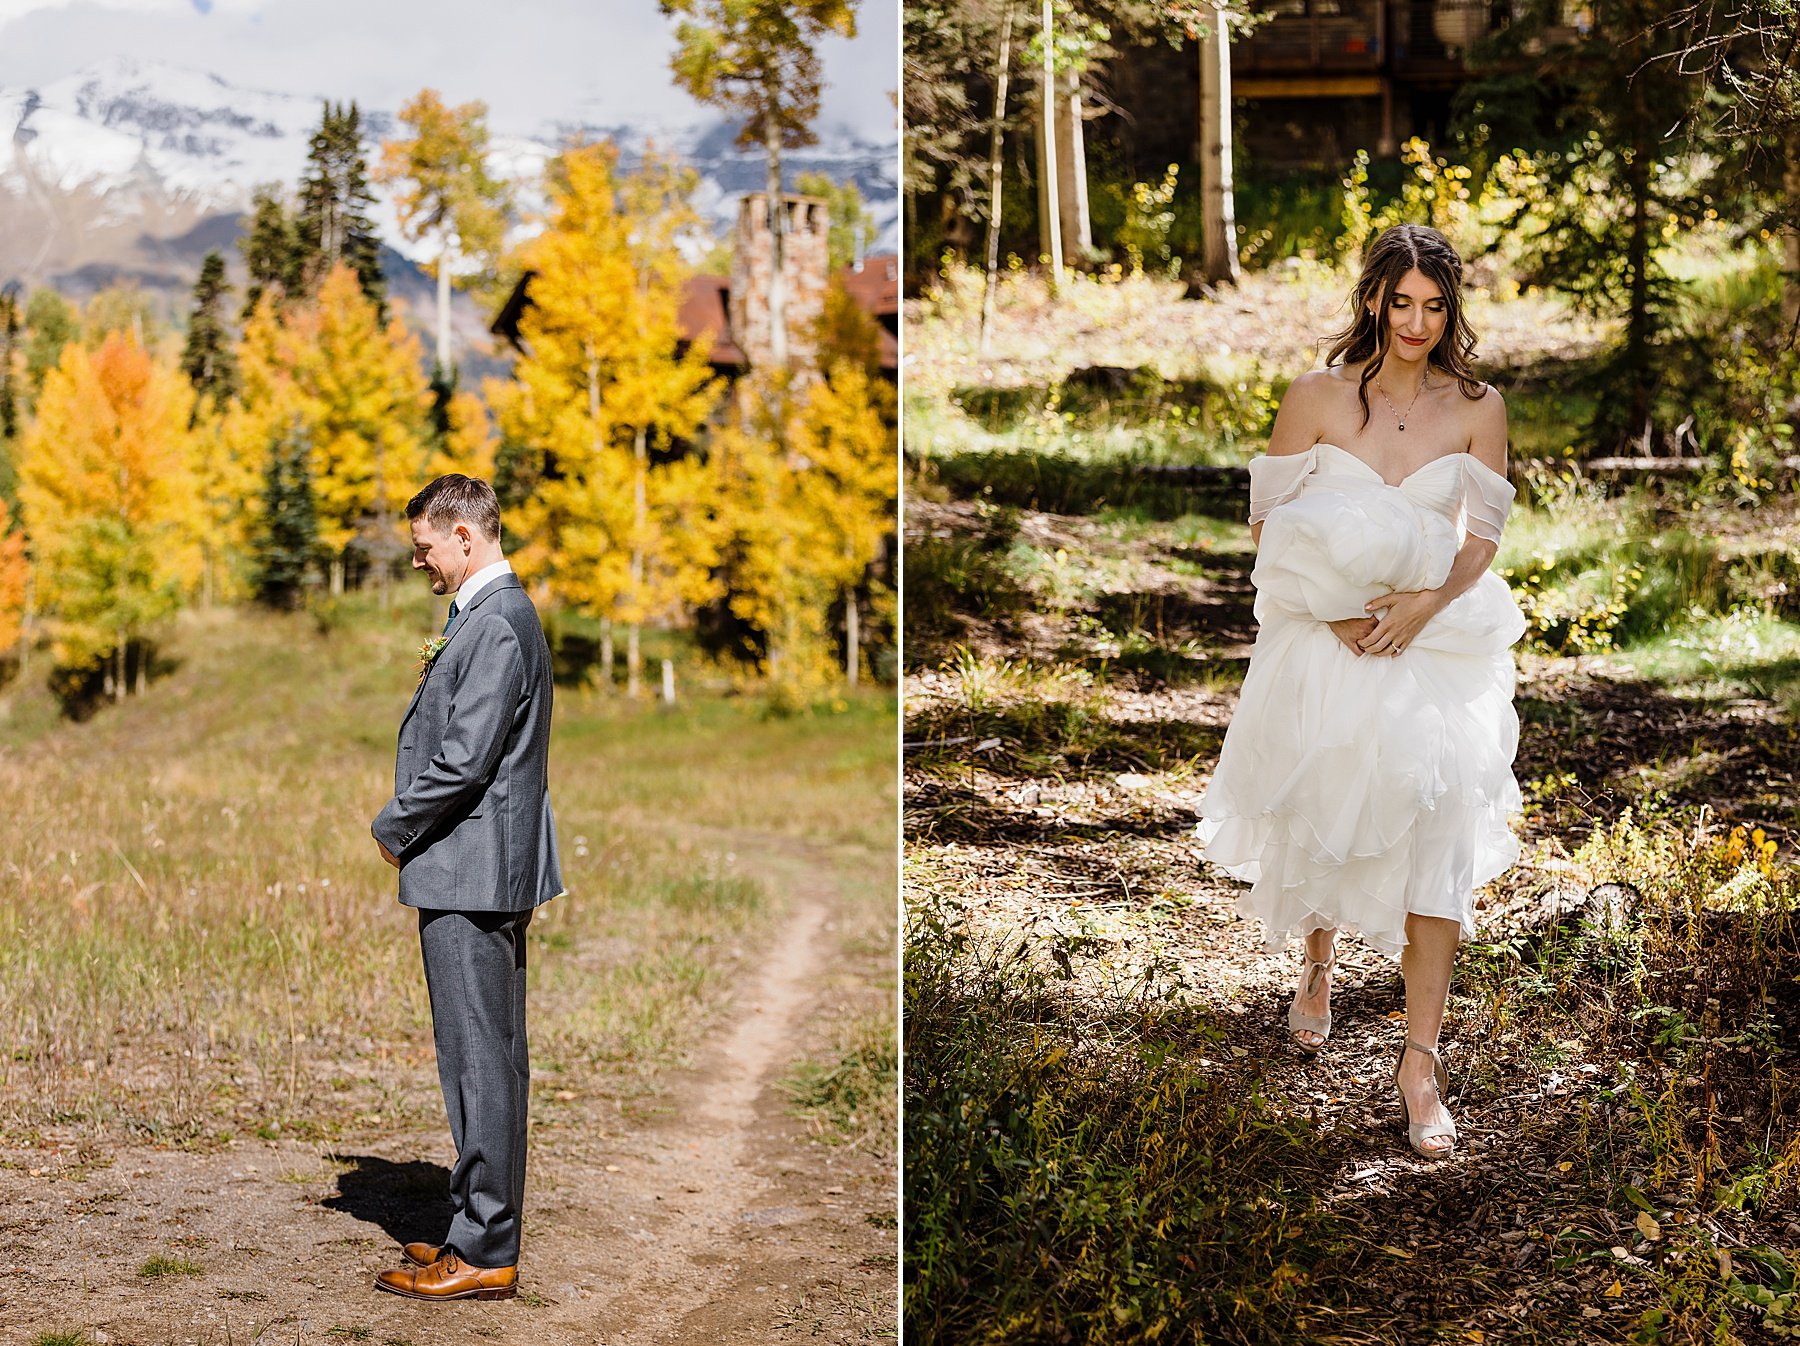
[[421, 1254], [450, 1278]]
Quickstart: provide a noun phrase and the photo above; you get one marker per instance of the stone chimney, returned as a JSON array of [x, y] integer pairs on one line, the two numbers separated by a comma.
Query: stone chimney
[[752, 265]]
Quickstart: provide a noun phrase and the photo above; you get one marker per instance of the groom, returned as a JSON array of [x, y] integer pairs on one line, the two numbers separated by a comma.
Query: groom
[[470, 830]]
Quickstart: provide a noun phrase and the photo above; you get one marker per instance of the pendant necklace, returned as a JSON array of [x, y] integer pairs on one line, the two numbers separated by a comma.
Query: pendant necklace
[[1396, 410]]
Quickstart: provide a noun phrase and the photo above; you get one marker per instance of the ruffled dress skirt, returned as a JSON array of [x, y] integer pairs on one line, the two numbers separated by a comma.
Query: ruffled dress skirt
[[1352, 790]]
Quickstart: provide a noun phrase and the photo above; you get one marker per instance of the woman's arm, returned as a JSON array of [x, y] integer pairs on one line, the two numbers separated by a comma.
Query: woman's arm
[[1297, 422], [1407, 613]]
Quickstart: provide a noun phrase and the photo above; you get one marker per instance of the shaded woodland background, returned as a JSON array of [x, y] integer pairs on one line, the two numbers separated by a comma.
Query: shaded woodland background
[[1106, 1138]]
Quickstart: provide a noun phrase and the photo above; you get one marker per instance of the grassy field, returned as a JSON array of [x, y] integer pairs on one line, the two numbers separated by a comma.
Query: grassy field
[[198, 941], [1107, 1139]]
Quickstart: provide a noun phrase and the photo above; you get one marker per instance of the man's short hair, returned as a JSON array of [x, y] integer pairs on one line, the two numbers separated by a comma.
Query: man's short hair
[[454, 498]]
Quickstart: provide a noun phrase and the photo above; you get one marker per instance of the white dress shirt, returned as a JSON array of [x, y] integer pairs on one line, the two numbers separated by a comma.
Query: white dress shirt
[[479, 581]]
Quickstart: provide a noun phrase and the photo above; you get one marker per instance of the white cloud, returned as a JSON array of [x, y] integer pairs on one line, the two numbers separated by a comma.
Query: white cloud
[[532, 61]]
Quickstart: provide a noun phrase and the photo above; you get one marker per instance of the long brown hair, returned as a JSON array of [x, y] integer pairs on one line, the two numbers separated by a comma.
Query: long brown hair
[[1395, 252]]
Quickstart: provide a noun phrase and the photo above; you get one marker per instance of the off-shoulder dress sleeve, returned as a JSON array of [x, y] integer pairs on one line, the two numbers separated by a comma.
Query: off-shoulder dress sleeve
[[1276, 480], [1487, 499]]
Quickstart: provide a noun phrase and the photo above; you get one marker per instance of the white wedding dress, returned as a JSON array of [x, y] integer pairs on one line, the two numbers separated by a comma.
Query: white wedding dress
[[1354, 789]]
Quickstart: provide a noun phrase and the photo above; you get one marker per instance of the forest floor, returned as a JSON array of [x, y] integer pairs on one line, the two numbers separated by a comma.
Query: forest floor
[[1625, 1125]]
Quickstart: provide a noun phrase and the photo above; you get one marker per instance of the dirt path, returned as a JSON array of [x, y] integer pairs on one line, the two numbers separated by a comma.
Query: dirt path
[[721, 1221]]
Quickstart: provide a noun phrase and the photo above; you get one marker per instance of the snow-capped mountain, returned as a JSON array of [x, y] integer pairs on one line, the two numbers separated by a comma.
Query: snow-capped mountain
[[133, 170]]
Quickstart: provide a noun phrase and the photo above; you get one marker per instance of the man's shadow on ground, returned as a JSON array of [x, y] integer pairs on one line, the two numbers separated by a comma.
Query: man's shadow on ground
[[410, 1200]]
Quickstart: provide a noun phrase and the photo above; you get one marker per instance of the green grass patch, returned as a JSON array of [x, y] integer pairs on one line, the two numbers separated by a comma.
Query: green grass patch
[[854, 1097], [1742, 653], [159, 1266], [1034, 719], [1079, 1169]]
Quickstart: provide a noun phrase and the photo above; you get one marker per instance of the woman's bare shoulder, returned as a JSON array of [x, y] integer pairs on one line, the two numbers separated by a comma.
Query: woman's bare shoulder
[[1300, 418]]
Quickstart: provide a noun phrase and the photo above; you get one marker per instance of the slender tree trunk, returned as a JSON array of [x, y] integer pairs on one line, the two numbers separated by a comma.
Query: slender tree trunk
[[641, 522], [1071, 167], [119, 670], [1049, 197], [852, 639], [26, 634], [593, 373], [337, 575], [443, 307], [633, 660], [1637, 261], [996, 143], [778, 343], [606, 654], [1790, 286], [1219, 263]]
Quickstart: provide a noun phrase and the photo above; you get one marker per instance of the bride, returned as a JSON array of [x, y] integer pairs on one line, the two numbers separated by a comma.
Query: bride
[[1366, 779]]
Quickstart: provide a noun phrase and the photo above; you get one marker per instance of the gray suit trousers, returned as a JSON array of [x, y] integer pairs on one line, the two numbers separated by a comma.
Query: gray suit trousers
[[475, 972]]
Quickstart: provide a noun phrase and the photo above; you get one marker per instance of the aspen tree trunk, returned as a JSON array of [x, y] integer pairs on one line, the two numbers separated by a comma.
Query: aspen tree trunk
[[606, 653], [996, 142], [337, 575], [641, 506], [1219, 261], [1071, 167], [119, 670], [1049, 197], [26, 625], [1790, 287], [443, 307], [852, 639]]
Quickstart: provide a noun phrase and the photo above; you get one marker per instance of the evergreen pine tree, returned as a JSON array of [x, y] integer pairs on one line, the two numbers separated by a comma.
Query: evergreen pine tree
[[335, 198], [1604, 115], [9, 344], [10, 326], [271, 250], [207, 359], [52, 324], [288, 541]]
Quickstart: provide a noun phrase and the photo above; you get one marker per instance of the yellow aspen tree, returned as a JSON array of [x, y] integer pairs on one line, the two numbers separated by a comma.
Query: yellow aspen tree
[[267, 405], [813, 480], [606, 382], [14, 570], [108, 493], [443, 192], [362, 399], [658, 394], [760, 58], [846, 484], [774, 584], [228, 484], [470, 446]]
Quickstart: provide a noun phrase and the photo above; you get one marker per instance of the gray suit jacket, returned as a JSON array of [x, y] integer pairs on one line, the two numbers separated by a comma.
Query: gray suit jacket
[[470, 819]]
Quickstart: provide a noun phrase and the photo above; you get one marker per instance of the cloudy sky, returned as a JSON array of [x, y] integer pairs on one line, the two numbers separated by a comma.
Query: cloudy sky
[[533, 62]]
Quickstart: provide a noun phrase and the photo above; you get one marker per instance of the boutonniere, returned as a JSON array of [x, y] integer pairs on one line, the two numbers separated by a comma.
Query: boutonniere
[[428, 652]]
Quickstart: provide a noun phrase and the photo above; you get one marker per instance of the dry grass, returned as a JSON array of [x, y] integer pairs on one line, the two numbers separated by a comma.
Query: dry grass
[[198, 939]]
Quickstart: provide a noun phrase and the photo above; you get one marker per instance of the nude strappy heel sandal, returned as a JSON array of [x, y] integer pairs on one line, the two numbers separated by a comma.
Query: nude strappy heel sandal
[[1299, 1023], [1417, 1133]]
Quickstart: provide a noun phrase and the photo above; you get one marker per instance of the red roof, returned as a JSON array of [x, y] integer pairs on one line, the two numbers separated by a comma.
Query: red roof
[[703, 313], [875, 288]]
